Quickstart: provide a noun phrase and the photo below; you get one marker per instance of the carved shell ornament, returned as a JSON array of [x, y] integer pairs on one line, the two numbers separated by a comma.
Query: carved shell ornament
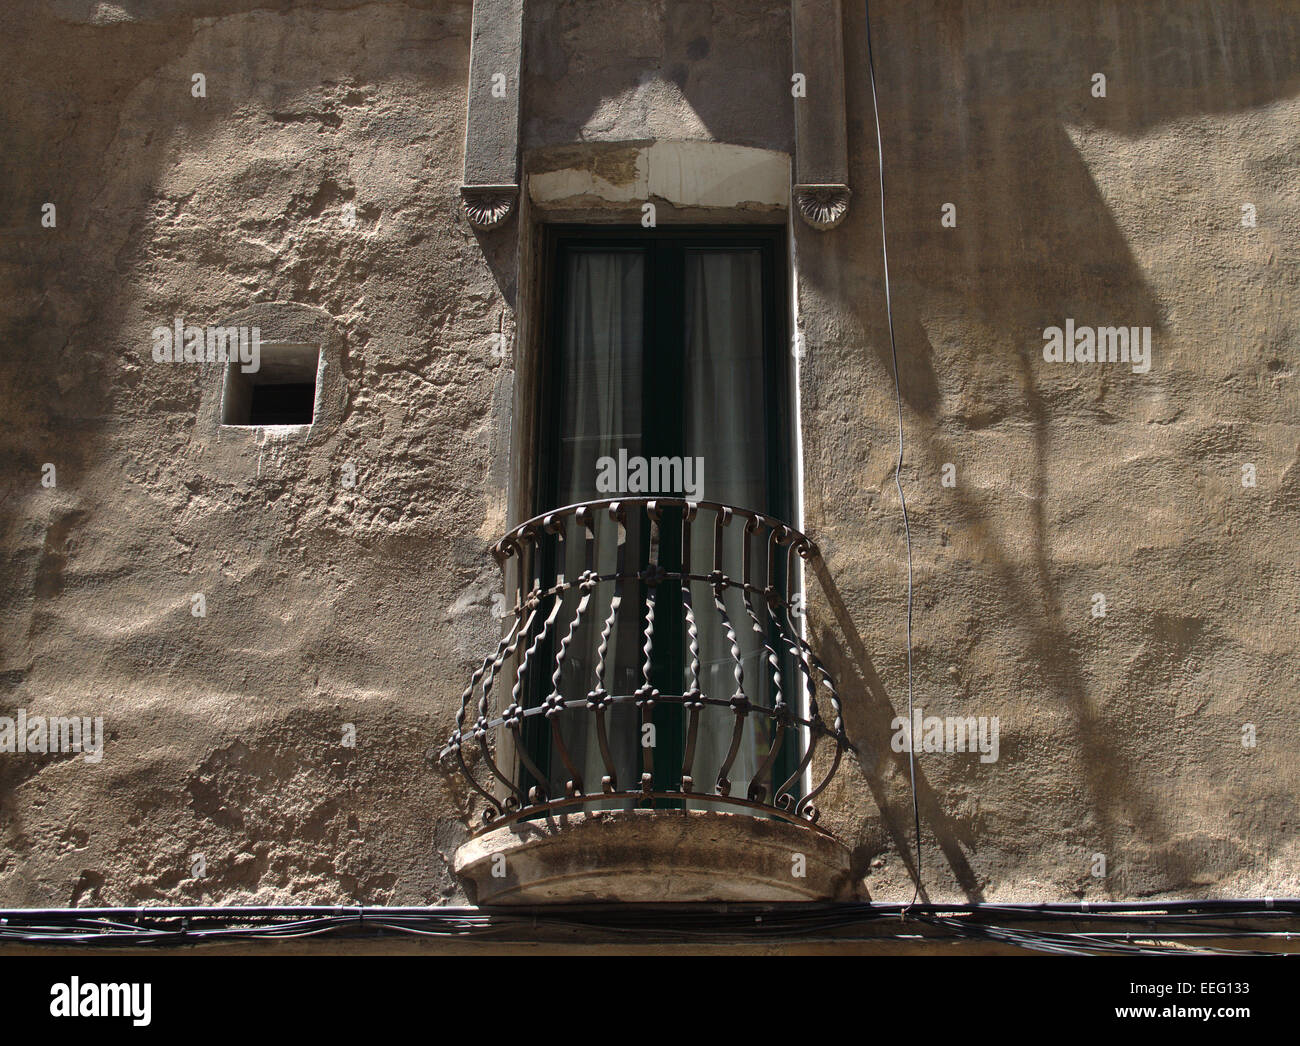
[[822, 206], [488, 206]]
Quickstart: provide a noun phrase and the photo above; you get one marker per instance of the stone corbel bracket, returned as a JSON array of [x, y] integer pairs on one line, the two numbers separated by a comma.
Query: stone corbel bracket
[[821, 190], [490, 191]]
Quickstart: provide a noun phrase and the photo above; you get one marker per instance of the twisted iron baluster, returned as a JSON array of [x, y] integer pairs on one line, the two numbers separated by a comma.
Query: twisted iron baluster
[[808, 551], [647, 693], [494, 808], [598, 699], [514, 715], [810, 662], [757, 790], [739, 702], [554, 703], [523, 604], [692, 698], [785, 536]]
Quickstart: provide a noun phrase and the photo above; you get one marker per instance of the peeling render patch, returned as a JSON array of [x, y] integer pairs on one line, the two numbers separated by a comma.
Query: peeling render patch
[[686, 174]]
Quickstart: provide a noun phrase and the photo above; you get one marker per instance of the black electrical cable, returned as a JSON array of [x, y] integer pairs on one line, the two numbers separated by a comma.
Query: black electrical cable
[[1114, 927], [1252, 906], [898, 467]]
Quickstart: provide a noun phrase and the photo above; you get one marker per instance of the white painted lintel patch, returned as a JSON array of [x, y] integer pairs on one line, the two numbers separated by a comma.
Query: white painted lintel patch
[[686, 174]]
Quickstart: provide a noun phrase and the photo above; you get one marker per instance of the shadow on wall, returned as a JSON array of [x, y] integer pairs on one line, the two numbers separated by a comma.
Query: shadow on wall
[[97, 138], [975, 104], [625, 70], [166, 203]]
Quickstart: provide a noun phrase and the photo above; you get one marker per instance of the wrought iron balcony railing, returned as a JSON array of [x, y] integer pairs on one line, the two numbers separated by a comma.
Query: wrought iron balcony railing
[[643, 660]]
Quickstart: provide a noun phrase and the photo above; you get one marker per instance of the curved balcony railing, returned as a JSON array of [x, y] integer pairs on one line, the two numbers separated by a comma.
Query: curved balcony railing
[[643, 656]]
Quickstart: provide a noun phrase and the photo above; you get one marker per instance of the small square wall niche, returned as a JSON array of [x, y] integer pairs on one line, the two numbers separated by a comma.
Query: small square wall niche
[[282, 391]]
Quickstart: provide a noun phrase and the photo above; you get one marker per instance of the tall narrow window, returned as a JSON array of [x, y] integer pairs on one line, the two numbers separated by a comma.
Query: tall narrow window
[[665, 372]]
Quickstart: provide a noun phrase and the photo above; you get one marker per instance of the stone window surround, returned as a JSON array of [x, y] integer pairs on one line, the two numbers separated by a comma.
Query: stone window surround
[[602, 855], [494, 104]]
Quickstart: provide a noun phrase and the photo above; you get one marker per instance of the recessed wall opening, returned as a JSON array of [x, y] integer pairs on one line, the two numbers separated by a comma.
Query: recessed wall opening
[[282, 391]]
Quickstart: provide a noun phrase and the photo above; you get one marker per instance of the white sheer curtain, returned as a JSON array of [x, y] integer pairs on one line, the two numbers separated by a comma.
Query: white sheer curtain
[[724, 374], [601, 352], [724, 423], [604, 408], [601, 355]]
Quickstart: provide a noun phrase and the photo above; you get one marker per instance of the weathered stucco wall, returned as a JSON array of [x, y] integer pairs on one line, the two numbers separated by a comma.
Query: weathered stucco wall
[[330, 604], [1120, 735], [326, 605]]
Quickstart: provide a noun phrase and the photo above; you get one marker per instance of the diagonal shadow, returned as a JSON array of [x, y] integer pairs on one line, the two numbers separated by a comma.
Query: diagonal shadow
[[966, 102]]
